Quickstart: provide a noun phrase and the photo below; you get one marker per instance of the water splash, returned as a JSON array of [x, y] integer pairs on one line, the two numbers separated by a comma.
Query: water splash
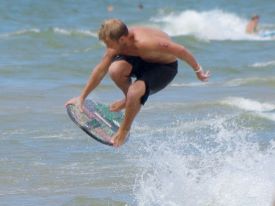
[[214, 162]]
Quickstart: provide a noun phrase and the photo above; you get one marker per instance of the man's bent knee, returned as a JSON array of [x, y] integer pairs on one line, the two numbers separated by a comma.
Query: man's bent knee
[[119, 69]]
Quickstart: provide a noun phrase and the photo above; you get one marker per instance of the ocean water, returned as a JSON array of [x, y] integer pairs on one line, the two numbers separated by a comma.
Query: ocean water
[[192, 144]]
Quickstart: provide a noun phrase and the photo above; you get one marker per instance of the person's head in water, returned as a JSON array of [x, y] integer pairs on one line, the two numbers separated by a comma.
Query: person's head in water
[[113, 33], [255, 18]]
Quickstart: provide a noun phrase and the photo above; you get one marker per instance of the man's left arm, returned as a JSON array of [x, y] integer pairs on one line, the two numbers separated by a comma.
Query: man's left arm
[[184, 54]]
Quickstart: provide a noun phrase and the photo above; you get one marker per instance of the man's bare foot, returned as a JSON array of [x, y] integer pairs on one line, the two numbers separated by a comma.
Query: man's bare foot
[[119, 138], [118, 105]]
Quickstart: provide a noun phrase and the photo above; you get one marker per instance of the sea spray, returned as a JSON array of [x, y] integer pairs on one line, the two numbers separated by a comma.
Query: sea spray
[[220, 164]]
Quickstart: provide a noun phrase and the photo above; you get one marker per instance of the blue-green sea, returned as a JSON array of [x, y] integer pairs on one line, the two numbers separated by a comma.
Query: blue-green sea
[[192, 144]]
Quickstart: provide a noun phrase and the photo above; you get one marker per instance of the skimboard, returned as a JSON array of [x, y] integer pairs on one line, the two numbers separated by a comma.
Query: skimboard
[[96, 120]]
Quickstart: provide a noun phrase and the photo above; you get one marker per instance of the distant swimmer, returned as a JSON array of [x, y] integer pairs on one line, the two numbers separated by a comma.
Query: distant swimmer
[[147, 54], [252, 26]]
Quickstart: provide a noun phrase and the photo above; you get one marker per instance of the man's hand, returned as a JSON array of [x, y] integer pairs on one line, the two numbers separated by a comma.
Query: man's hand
[[202, 75], [78, 101]]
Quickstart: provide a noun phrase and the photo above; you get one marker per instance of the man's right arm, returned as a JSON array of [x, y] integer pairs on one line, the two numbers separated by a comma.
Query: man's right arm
[[95, 78], [98, 73]]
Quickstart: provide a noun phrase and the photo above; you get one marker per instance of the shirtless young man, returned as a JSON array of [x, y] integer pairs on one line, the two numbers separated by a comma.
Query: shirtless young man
[[147, 54]]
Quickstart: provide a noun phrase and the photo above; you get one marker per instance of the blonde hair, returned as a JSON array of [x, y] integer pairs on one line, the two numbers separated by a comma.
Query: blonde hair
[[112, 29]]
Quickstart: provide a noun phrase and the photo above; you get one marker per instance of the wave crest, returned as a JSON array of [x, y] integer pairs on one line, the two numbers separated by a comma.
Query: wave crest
[[54, 30], [206, 25]]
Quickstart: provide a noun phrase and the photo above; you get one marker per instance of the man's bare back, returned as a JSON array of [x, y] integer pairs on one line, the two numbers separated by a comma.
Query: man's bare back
[[147, 43]]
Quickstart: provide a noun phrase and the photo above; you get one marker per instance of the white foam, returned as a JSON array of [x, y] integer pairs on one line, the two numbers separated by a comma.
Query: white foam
[[57, 30], [21, 32], [232, 188], [215, 168], [74, 31], [270, 116], [207, 25], [263, 64], [249, 80], [236, 82], [248, 104], [260, 109]]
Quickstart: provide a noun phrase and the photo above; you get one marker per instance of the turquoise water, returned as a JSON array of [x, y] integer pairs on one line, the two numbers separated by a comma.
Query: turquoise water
[[199, 144]]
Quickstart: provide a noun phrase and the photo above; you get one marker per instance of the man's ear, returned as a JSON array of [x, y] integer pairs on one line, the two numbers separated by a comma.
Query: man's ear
[[121, 39]]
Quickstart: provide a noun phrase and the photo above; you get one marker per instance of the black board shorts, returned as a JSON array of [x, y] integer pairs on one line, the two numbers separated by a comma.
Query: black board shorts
[[156, 76]]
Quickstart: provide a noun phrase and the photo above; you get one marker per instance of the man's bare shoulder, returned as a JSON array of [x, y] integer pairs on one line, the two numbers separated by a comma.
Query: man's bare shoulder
[[148, 31], [147, 38]]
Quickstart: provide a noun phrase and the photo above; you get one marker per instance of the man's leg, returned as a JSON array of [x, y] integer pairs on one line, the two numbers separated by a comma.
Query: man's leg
[[133, 105], [120, 71]]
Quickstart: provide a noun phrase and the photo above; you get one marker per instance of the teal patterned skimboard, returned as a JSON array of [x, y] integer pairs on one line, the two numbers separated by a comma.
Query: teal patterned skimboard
[[96, 120]]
